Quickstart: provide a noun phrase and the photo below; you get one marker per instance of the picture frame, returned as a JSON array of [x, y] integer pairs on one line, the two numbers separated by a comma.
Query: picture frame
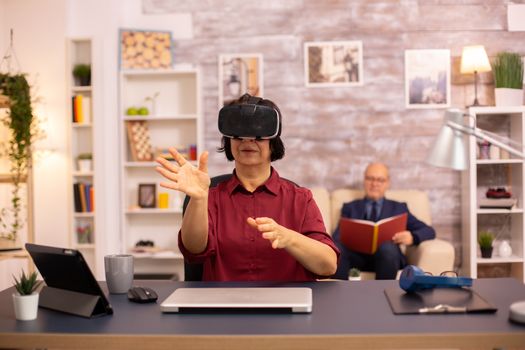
[[333, 63], [147, 197], [427, 78], [239, 74], [145, 49]]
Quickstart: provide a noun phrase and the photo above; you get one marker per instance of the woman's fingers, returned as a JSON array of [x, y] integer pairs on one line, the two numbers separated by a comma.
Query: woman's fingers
[[167, 164], [177, 156], [203, 162], [170, 185]]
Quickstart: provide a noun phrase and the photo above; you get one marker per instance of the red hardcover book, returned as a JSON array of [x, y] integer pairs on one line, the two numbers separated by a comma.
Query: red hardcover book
[[92, 197], [365, 236]]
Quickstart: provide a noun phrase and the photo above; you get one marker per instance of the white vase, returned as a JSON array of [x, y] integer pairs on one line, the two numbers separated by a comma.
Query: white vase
[[354, 278], [504, 249], [508, 97], [26, 306], [84, 165]]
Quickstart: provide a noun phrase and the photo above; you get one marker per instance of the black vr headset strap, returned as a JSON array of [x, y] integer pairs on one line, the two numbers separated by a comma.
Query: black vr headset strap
[[254, 100]]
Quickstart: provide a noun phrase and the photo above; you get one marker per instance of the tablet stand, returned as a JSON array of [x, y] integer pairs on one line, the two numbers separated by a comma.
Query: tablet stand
[[75, 303]]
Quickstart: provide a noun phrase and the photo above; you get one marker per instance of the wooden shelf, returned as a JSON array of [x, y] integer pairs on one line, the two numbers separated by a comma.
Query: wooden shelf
[[500, 260], [153, 211], [159, 117], [158, 255]]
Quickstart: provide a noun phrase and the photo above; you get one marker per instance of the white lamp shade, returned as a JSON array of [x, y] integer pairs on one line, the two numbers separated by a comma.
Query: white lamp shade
[[449, 150], [474, 59]]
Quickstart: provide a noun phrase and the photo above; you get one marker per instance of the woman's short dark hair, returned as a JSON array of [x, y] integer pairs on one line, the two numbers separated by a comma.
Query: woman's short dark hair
[[276, 144]]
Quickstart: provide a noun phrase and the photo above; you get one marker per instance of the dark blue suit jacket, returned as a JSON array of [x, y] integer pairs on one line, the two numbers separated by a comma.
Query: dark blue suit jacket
[[356, 210]]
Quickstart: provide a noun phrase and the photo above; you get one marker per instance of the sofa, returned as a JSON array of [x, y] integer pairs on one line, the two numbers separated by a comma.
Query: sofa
[[434, 256]]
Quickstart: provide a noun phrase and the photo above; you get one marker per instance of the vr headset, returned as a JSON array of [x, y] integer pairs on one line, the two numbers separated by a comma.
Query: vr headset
[[414, 279], [250, 121]]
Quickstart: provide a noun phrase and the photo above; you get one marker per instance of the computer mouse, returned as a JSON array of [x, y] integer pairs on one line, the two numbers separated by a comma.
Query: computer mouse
[[142, 295]]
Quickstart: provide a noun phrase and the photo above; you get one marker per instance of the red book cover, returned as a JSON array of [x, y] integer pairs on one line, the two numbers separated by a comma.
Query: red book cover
[[92, 197], [365, 236]]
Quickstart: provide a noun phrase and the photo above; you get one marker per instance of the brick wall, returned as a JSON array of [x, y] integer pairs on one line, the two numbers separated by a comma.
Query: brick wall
[[332, 133]]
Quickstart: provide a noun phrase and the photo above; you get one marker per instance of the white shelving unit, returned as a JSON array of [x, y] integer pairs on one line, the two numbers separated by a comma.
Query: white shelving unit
[[484, 173], [81, 141], [174, 119]]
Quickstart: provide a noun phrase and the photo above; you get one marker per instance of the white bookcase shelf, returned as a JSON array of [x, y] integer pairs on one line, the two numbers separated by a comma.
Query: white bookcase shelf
[[83, 235], [174, 120], [505, 171]]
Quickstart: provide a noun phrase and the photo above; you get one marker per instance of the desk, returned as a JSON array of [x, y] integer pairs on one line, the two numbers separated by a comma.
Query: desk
[[346, 315]]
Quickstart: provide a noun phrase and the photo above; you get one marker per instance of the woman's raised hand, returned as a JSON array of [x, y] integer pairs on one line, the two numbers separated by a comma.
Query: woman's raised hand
[[184, 177]]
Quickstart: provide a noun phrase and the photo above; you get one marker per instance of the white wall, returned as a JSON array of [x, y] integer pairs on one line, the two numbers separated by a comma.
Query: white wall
[[39, 47], [41, 28]]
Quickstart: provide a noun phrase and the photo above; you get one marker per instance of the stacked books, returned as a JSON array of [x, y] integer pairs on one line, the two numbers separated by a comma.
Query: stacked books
[[84, 195], [497, 203], [81, 109]]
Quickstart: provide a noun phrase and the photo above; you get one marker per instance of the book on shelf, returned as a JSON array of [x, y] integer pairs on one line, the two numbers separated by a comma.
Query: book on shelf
[[366, 236], [86, 109], [73, 110], [83, 204], [76, 194], [92, 198], [81, 109], [497, 203], [79, 115], [84, 196]]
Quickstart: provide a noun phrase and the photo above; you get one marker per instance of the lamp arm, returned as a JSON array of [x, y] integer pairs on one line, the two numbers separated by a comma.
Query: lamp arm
[[476, 132]]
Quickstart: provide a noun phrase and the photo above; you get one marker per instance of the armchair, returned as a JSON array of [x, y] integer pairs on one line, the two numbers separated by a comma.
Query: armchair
[[433, 256]]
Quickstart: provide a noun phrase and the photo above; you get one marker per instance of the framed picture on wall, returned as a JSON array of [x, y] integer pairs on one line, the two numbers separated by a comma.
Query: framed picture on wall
[[142, 49], [333, 63], [147, 195], [240, 74], [427, 78]]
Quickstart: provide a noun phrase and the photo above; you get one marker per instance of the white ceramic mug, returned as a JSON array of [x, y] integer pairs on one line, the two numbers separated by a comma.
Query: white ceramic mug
[[119, 272]]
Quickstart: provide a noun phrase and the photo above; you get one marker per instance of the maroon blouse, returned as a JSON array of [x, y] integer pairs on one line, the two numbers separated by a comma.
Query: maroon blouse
[[236, 251]]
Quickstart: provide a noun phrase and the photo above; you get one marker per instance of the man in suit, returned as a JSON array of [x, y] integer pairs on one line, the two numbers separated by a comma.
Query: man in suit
[[388, 258]]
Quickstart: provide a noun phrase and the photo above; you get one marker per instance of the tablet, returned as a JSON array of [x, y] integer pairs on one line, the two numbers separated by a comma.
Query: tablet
[[71, 286]]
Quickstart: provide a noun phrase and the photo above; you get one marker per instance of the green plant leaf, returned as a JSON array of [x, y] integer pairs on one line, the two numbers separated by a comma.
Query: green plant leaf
[[26, 285], [507, 69], [23, 129]]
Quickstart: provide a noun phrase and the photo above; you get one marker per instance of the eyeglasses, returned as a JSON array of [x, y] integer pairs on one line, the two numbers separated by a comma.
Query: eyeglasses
[[380, 180], [444, 274]]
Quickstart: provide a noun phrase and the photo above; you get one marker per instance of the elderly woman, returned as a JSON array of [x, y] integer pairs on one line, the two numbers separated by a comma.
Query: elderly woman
[[255, 226]]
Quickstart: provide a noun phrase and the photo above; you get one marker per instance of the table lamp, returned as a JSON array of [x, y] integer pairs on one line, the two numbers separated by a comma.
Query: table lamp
[[449, 149], [474, 60]]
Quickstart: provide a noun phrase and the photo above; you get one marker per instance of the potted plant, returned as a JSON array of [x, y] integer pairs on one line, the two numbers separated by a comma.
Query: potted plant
[[25, 300], [82, 74], [354, 275], [84, 162], [485, 240], [507, 69], [23, 130]]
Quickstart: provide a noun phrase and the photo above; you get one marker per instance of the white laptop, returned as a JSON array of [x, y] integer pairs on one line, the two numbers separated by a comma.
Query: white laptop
[[295, 299]]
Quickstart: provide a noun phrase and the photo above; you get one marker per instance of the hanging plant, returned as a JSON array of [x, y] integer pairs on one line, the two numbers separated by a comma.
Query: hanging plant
[[21, 123]]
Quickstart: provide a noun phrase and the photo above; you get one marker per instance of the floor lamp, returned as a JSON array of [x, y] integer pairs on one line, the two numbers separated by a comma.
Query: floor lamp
[[449, 151], [474, 60]]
